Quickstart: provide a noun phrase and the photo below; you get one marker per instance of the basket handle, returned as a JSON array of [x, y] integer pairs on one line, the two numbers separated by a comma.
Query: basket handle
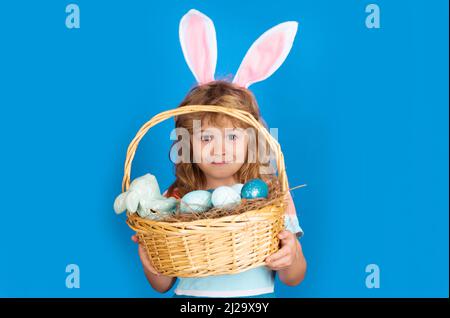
[[237, 113]]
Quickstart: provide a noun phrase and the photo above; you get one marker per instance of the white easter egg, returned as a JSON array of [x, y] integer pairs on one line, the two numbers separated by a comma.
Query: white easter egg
[[196, 201], [237, 187], [224, 196]]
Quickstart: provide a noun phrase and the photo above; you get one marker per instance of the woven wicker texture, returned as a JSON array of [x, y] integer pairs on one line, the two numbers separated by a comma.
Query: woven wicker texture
[[224, 245]]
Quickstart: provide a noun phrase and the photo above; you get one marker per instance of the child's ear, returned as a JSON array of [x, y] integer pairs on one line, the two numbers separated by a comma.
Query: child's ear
[[266, 54], [199, 45]]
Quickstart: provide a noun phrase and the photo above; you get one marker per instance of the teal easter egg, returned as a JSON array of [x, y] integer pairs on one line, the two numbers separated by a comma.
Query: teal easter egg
[[196, 202], [225, 197], [255, 188]]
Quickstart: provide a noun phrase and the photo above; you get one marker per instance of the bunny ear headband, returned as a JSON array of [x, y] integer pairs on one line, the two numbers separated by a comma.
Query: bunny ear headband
[[265, 56]]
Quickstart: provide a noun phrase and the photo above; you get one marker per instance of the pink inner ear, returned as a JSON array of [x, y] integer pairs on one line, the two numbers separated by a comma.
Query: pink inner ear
[[198, 48], [261, 60]]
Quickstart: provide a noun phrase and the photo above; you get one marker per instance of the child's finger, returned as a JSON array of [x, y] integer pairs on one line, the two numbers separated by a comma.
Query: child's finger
[[277, 255], [285, 234], [134, 238], [153, 271], [280, 263]]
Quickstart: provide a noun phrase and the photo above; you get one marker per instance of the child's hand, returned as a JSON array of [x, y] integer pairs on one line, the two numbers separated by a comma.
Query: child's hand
[[287, 254], [144, 257]]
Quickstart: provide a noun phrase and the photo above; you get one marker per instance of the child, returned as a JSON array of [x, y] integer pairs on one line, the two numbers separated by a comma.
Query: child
[[215, 152], [289, 261]]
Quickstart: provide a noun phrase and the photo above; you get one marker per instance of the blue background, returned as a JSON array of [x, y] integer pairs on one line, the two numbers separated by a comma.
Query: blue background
[[362, 117]]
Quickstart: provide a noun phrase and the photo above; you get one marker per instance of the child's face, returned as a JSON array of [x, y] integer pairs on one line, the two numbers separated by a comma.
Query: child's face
[[220, 151]]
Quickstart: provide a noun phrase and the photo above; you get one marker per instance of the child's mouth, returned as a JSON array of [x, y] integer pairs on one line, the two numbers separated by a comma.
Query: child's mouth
[[221, 162]]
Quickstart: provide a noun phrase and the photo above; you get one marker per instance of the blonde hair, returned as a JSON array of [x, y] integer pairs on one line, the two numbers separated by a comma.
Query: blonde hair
[[189, 177]]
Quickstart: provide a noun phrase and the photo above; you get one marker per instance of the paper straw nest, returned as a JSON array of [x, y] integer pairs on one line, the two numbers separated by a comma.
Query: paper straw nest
[[216, 212]]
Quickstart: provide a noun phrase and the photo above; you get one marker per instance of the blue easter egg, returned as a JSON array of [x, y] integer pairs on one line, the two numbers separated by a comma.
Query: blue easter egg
[[255, 188], [196, 201], [225, 197]]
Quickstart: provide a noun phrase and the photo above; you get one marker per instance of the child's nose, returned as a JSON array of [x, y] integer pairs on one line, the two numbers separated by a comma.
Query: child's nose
[[219, 147], [224, 150]]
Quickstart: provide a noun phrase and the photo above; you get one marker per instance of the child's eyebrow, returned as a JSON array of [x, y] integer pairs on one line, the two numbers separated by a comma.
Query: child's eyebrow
[[213, 127]]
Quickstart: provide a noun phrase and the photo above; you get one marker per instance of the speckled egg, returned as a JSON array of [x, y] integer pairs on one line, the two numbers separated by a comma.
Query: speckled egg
[[255, 188], [225, 197], [196, 202]]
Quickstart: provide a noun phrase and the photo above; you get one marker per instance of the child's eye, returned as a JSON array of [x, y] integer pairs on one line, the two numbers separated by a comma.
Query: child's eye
[[206, 138], [232, 137]]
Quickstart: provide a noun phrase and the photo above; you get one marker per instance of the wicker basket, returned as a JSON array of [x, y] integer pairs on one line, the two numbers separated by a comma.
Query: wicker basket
[[224, 245]]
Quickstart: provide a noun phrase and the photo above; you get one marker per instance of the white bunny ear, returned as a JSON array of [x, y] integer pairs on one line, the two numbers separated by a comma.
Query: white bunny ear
[[132, 201], [266, 54], [119, 203], [199, 45]]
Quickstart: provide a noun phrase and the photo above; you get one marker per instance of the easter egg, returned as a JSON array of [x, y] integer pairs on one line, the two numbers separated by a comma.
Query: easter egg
[[237, 187], [225, 197], [196, 201], [255, 188]]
